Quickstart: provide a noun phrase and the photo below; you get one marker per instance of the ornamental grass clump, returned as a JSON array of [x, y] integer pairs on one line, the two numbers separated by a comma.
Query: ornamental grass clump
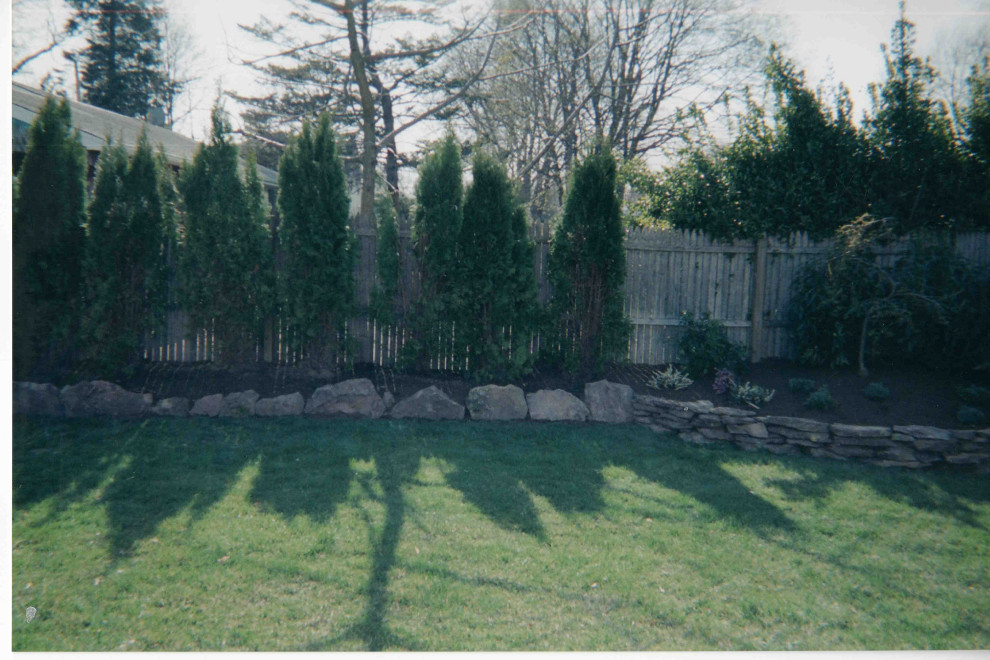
[[670, 379], [752, 395]]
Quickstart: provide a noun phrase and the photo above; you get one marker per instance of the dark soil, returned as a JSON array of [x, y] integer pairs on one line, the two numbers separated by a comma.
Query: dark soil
[[917, 396]]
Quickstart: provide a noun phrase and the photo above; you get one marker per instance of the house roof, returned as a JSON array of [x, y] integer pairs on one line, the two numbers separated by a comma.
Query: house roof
[[95, 125]]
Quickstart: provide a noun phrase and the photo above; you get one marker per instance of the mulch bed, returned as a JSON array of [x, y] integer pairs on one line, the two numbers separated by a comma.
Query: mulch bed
[[917, 396]]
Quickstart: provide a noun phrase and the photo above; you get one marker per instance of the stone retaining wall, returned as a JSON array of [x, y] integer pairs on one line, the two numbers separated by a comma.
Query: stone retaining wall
[[699, 422]]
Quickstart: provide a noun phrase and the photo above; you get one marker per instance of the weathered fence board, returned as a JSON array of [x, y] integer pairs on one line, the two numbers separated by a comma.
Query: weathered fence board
[[744, 284]]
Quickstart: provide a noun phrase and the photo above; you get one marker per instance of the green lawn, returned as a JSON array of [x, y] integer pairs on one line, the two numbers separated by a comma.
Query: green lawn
[[340, 535]]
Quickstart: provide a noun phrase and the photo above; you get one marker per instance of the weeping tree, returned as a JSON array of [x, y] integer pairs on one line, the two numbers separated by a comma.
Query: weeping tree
[[496, 289], [226, 271], [49, 205], [125, 265], [587, 268], [317, 278]]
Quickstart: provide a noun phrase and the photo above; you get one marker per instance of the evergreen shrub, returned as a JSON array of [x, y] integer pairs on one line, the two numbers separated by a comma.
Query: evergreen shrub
[[496, 288], [820, 399], [316, 280], [705, 346], [226, 267], [437, 221], [49, 206], [587, 269], [126, 261]]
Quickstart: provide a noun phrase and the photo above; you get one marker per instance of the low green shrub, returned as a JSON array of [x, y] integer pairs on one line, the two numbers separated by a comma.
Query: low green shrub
[[670, 379], [820, 399], [801, 385], [974, 395], [876, 392], [970, 416], [705, 346]]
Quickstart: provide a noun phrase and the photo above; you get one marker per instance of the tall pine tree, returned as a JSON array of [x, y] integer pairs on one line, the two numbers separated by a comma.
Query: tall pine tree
[[496, 290], [317, 277], [226, 272], [125, 267], [588, 267], [122, 68], [49, 208]]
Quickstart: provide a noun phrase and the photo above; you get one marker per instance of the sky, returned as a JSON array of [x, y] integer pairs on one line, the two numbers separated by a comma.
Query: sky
[[830, 39]]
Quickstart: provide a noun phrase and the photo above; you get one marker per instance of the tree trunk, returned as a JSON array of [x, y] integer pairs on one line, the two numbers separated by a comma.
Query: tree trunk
[[369, 150]]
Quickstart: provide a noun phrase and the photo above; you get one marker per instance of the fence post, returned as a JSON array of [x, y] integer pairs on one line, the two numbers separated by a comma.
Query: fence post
[[269, 338], [759, 296]]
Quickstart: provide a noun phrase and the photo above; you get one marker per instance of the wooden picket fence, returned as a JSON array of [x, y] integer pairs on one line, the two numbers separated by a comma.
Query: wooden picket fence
[[744, 284]]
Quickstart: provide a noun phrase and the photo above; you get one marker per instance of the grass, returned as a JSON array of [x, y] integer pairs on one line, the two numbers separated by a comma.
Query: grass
[[345, 535]]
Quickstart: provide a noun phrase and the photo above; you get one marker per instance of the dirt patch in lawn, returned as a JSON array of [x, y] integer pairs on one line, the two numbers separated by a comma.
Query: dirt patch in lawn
[[917, 396]]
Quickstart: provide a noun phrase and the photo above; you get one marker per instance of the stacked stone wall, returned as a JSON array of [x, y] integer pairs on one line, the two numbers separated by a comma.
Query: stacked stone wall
[[700, 422]]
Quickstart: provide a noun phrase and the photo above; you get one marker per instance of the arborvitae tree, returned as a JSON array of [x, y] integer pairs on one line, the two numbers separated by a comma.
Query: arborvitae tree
[[918, 168], [122, 69], [125, 267], [436, 226], [48, 214], [317, 278], [588, 267], [226, 261], [384, 295], [496, 290]]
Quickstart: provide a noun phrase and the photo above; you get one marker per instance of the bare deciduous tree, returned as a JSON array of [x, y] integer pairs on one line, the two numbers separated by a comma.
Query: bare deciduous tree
[[25, 45], [365, 63], [629, 71]]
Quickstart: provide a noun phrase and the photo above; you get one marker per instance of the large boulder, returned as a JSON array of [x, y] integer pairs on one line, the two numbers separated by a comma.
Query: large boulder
[[36, 399], [497, 402], [238, 404], [352, 398], [556, 406], [428, 403], [207, 406], [280, 406], [609, 402], [175, 406], [99, 397]]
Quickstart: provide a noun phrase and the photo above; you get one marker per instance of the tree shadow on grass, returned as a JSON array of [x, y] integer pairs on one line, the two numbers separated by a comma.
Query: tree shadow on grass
[[63, 461], [395, 464], [303, 478], [949, 492], [696, 472], [164, 476]]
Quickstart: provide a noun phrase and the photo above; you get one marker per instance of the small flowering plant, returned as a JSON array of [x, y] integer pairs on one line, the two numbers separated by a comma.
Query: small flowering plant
[[724, 380]]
